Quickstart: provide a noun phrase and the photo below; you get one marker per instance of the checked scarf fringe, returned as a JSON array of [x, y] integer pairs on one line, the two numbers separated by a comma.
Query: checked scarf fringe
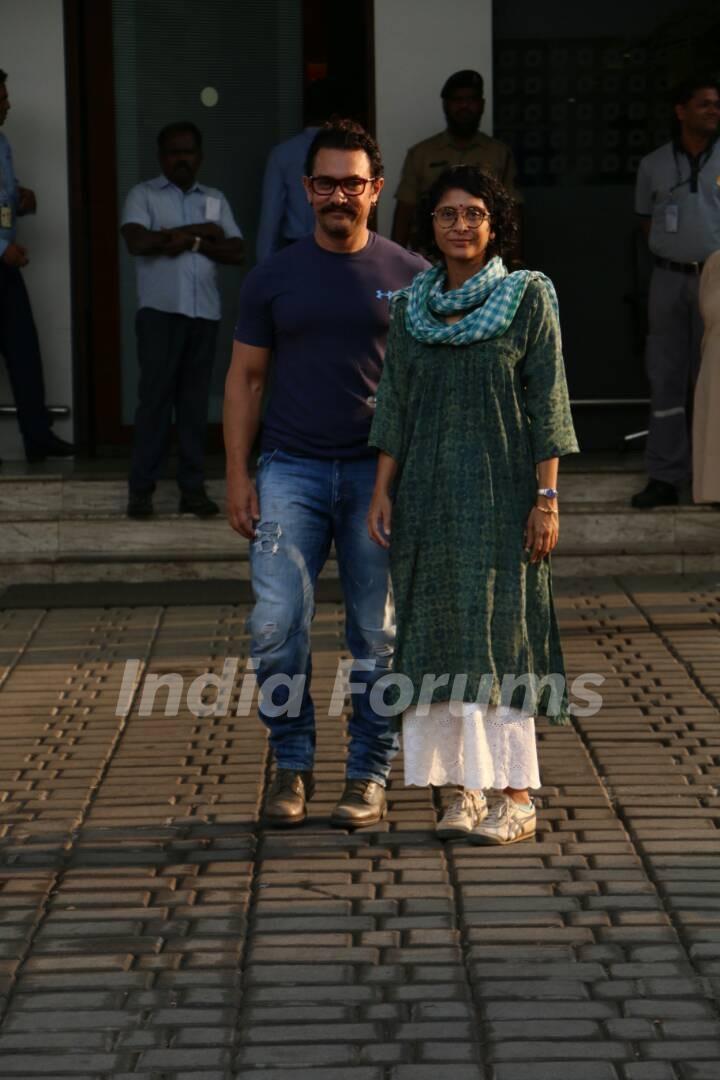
[[490, 299]]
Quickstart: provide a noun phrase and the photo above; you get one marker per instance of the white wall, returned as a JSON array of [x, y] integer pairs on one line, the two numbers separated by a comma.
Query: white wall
[[32, 53], [418, 43]]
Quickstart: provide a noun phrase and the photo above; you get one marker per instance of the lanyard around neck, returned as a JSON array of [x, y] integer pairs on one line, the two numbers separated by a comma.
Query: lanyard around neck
[[697, 163]]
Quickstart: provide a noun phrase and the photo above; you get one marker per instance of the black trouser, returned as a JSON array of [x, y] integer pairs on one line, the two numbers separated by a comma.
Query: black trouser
[[20, 346], [175, 356]]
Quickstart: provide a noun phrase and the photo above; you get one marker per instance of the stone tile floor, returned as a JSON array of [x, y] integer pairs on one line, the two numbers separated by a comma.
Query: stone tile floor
[[149, 928]]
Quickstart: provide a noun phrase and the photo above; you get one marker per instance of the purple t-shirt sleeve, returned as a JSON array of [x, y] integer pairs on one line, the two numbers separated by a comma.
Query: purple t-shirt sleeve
[[254, 324]]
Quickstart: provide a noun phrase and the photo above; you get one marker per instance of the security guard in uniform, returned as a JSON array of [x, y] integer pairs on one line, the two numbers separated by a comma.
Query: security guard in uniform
[[460, 144]]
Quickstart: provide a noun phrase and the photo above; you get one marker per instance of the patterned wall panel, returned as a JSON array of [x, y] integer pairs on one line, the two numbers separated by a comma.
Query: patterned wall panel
[[579, 111]]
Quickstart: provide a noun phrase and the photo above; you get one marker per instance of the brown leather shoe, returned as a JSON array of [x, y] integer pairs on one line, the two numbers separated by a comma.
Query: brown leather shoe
[[361, 803], [285, 803]]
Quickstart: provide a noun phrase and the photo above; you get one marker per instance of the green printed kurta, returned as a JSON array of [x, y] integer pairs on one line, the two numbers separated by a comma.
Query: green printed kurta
[[467, 425]]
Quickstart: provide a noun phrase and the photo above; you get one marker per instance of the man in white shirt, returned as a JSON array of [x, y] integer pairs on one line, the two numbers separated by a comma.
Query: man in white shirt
[[678, 198], [178, 229]]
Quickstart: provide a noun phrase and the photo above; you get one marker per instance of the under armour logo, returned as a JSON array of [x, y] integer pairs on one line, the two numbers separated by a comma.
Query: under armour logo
[[379, 294]]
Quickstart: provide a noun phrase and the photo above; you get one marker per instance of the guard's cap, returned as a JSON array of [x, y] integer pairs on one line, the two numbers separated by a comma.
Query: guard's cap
[[463, 80]]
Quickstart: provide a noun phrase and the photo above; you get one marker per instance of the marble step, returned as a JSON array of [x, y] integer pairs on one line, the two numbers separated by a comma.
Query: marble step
[[585, 527], [47, 497], [594, 539], [64, 528], [58, 497]]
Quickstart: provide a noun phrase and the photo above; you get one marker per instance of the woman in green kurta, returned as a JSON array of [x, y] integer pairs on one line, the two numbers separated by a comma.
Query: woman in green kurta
[[472, 416]]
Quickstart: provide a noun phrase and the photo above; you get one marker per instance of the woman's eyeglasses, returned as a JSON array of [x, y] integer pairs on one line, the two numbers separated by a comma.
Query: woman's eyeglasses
[[447, 216], [349, 185]]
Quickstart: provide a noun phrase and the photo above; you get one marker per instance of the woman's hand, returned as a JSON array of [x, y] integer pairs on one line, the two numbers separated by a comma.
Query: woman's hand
[[541, 534], [379, 518]]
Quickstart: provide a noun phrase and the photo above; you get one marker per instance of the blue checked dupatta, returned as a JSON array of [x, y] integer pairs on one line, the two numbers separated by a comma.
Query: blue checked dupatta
[[490, 299]]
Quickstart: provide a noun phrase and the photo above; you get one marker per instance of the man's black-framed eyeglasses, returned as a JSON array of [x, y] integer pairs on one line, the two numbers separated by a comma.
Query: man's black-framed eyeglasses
[[349, 185], [447, 216]]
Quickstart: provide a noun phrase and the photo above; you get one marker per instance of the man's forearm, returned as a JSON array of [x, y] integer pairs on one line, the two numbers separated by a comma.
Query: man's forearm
[[207, 229], [241, 420], [151, 243], [230, 251], [142, 241]]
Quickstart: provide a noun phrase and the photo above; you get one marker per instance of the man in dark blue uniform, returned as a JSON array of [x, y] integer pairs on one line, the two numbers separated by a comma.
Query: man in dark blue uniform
[[19, 343]]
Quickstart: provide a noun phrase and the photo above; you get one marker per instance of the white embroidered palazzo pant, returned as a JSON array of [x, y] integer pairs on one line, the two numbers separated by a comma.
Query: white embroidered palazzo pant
[[480, 748]]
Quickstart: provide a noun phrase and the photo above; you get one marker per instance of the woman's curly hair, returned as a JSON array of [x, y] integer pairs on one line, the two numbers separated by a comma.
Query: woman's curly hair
[[483, 186]]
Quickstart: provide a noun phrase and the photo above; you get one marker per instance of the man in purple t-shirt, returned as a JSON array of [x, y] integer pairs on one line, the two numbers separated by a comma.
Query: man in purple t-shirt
[[321, 308]]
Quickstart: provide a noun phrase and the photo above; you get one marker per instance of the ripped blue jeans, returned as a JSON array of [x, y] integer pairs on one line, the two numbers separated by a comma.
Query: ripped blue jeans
[[306, 504]]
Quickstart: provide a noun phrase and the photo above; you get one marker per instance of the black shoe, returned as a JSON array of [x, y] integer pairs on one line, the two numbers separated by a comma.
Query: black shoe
[[198, 503], [285, 803], [140, 504], [656, 493], [53, 447], [361, 803]]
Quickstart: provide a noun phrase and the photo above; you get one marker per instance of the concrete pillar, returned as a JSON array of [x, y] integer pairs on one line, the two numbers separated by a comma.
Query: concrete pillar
[[418, 43]]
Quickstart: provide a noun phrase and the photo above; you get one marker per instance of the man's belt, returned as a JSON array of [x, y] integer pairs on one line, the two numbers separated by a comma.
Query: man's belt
[[681, 268]]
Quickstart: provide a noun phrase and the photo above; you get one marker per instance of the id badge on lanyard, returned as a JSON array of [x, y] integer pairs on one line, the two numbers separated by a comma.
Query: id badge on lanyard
[[6, 214], [672, 217], [672, 209]]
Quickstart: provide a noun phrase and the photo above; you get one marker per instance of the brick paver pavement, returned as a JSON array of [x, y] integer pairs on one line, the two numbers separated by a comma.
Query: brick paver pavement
[[149, 928]]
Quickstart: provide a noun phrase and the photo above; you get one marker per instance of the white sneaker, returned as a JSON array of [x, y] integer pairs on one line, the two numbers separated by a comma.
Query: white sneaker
[[464, 813], [506, 823]]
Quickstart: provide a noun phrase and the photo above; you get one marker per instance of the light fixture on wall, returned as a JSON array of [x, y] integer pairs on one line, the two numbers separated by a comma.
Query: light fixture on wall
[[209, 96]]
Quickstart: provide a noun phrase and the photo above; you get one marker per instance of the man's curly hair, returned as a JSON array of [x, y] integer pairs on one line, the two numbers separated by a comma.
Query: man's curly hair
[[483, 186], [344, 134]]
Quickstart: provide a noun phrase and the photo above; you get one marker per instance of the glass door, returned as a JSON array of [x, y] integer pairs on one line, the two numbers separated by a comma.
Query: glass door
[[236, 70]]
